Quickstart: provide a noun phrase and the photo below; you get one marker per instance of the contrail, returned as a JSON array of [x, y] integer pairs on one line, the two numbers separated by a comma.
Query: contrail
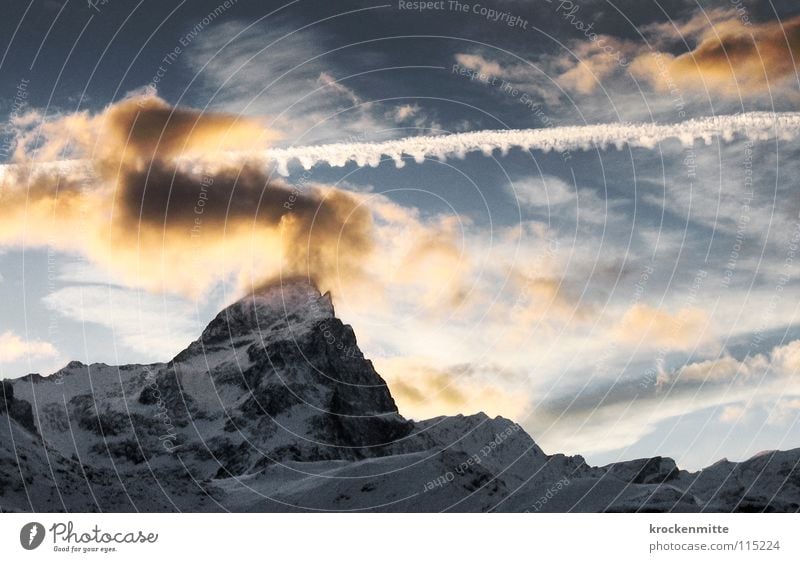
[[754, 125], [758, 126]]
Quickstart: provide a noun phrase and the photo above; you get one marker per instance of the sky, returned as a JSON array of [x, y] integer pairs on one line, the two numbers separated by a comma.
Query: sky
[[619, 295]]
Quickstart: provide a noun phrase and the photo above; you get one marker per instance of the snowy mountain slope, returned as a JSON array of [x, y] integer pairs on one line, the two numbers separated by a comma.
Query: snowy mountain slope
[[274, 408]]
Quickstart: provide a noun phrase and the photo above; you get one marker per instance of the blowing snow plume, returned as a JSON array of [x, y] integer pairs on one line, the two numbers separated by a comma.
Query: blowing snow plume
[[127, 204], [754, 125]]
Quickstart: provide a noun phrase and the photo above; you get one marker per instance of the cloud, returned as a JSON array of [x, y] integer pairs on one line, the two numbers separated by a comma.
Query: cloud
[[539, 299], [612, 419], [733, 57], [596, 61], [422, 390], [155, 198], [282, 71], [732, 413], [327, 80], [408, 116], [613, 415], [542, 192], [684, 329], [665, 34], [13, 347], [180, 204], [404, 112], [786, 411], [552, 198], [787, 358], [155, 326], [528, 78], [431, 260], [481, 65], [134, 132], [715, 51]]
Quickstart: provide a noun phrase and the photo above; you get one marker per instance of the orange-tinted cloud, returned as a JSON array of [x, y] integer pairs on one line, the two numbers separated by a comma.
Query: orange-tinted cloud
[[157, 222], [138, 130], [653, 327], [732, 57], [540, 301], [13, 347], [423, 391]]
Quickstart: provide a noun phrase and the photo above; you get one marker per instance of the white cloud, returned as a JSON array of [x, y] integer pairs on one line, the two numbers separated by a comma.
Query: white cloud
[[327, 80], [728, 388], [529, 78], [733, 413], [157, 326], [786, 411], [782, 361], [404, 112], [615, 423], [542, 191], [423, 389], [85, 272], [13, 348], [481, 65]]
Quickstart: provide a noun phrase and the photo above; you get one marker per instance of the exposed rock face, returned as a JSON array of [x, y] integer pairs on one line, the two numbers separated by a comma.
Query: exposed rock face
[[18, 410], [646, 471], [274, 408]]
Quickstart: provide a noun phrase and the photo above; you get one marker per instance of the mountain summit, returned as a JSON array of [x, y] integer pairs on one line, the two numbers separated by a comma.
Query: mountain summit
[[275, 408], [294, 304]]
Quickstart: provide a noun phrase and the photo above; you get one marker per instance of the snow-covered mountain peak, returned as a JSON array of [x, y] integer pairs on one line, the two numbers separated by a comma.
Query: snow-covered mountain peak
[[293, 295], [295, 304], [275, 408]]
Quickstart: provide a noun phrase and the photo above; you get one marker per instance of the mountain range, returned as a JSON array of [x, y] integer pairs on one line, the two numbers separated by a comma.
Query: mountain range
[[275, 408]]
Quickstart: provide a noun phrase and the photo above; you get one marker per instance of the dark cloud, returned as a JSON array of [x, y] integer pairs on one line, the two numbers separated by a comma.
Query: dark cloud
[[152, 200], [733, 57]]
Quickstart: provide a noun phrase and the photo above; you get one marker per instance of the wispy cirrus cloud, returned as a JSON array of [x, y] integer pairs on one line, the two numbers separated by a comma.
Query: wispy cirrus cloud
[[423, 389], [297, 78]]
